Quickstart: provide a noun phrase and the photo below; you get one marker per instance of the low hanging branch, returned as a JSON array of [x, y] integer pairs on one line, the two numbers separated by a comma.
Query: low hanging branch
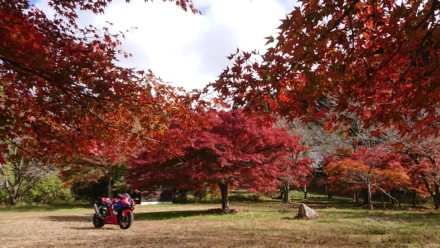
[[388, 194]]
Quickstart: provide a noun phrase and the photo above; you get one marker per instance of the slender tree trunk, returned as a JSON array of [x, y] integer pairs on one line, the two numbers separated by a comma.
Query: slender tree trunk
[[364, 196], [389, 195], [8, 187], [329, 193], [109, 187], [305, 192], [109, 182], [224, 193], [435, 193], [370, 201], [281, 192]]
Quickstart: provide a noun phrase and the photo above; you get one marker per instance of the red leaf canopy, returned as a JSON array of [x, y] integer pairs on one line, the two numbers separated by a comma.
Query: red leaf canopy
[[377, 59], [236, 150], [59, 81]]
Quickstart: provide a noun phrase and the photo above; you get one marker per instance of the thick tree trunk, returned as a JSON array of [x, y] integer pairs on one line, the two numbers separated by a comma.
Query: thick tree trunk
[[224, 192], [437, 197], [414, 198], [286, 189]]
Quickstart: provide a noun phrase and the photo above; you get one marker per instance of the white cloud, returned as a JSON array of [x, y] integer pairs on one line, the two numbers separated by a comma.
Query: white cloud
[[185, 49]]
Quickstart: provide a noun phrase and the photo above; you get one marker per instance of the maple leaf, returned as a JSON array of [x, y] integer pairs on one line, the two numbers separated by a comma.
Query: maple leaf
[[31, 119]]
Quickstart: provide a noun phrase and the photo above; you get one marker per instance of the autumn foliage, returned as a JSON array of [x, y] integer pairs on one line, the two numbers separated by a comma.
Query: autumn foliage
[[59, 81], [378, 60], [233, 150], [65, 100], [374, 170]]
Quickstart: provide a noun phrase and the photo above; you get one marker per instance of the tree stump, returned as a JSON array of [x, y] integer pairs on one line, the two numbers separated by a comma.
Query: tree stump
[[305, 211]]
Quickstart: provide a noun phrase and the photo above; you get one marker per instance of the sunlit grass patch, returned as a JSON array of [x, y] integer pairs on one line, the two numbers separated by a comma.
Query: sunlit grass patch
[[269, 223]]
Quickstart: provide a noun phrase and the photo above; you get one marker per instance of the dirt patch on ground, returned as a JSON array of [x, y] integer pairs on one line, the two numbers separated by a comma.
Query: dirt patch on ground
[[74, 228], [199, 225]]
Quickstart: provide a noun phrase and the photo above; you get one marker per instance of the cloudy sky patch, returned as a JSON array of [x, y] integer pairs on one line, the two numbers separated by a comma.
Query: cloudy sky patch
[[184, 49]]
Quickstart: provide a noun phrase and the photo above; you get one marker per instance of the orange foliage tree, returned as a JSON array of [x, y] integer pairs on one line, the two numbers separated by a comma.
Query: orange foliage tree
[[374, 169]]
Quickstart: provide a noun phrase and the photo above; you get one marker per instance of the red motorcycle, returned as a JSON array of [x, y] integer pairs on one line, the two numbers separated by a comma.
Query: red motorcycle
[[118, 211]]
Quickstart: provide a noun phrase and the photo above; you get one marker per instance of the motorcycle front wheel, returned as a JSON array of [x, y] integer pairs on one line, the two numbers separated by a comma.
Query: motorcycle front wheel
[[125, 222], [97, 221]]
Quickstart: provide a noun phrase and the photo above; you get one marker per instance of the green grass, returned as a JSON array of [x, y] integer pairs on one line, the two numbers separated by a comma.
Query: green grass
[[272, 223], [342, 223], [44, 207]]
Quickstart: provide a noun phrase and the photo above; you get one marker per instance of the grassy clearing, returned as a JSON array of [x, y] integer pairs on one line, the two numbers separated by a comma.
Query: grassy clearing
[[256, 224]]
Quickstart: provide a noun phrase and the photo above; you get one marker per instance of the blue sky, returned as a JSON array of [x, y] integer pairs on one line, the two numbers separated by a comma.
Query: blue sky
[[184, 49]]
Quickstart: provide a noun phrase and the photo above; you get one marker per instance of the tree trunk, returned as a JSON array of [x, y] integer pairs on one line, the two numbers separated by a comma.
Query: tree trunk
[[364, 197], [383, 201], [286, 196], [329, 193], [8, 186], [224, 193], [109, 188], [437, 197], [391, 198], [305, 192], [414, 198], [281, 193], [370, 201]]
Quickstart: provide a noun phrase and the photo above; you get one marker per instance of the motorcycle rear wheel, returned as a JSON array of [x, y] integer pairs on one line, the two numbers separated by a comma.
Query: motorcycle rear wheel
[[125, 222], [97, 221]]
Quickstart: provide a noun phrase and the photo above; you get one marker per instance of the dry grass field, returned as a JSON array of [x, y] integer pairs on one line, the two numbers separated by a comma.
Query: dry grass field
[[193, 225]]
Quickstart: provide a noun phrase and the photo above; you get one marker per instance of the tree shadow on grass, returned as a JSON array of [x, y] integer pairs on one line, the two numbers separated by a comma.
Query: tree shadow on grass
[[71, 218], [166, 215], [161, 215], [87, 228], [43, 208], [107, 227], [169, 215]]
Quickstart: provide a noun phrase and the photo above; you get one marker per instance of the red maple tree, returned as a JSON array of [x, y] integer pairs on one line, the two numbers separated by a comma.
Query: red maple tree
[[59, 81], [230, 150], [376, 59], [425, 169]]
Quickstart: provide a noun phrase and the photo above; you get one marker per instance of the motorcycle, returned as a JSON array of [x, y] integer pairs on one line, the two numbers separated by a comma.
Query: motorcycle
[[118, 211]]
